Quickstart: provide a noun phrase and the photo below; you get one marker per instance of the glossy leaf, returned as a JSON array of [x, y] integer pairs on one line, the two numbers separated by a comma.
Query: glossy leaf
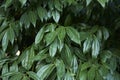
[[53, 48], [33, 75], [56, 16], [95, 48], [32, 17], [45, 71], [50, 37], [87, 45], [60, 69], [23, 2], [39, 36], [73, 34], [5, 41], [91, 73]]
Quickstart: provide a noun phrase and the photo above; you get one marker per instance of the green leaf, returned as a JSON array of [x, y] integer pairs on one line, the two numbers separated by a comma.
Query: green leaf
[[11, 35], [53, 48], [83, 75], [74, 64], [95, 48], [105, 55], [85, 66], [73, 34], [61, 33], [23, 2], [4, 71], [33, 75], [41, 55], [5, 41], [28, 60], [69, 76], [25, 78], [14, 67], [8, 3], [45, 71], [105, 33], [68, 20], [16, 76], [102, 2], [103, 71], [41, 13], [39, 35], [32, 17], [88, 2], [50, 27], [58, 5], [49, 38], [67, 56], [60, 69], [91, 73], [56, 16], [25, 20], [87, 45]]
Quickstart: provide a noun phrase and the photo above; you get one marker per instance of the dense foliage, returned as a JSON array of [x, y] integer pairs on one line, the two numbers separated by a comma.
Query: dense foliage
[[60, 39]]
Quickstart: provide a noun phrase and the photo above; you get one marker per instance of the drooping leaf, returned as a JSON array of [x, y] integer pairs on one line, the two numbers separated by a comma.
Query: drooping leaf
[[39, 35], [33, 75], [105, 33], [4, 71], [73, 34], [16, 76], [74, 64], [87, 45], [49, 38], [23, 2], [83, 75], [56, 16], [41, 55], [53, 48], [14, 67], [28, 60], [88, 2], [41, 13], [69, 76], [60, 69], [11, 35], [32, 17], [91, 73], [85, 65], [45, 71], [102, 2], [95, 48], [5, 41]]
